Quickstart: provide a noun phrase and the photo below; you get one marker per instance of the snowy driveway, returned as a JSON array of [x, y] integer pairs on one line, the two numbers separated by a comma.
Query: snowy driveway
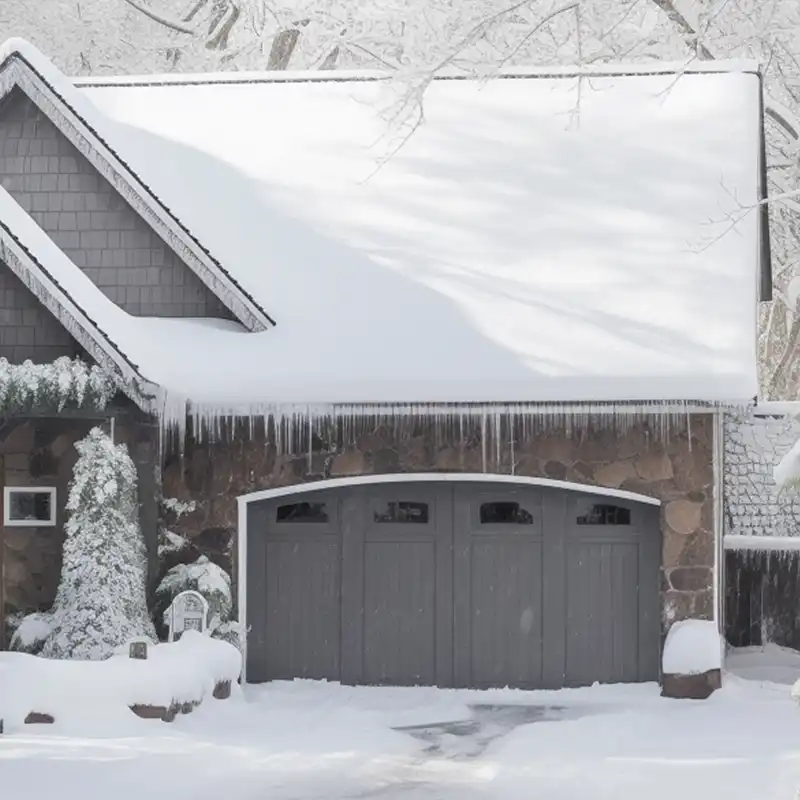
[[310, 741]]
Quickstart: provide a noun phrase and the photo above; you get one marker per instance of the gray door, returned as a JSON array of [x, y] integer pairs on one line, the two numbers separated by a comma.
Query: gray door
[[453, 584]]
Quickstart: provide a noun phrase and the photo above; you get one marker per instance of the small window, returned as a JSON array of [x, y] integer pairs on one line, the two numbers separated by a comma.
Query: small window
[[302, 512], [29, 506], [606, 515], [402, 511], [505, 513]]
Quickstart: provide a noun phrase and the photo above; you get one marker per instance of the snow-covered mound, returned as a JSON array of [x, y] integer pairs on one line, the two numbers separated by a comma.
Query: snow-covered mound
[[693, 646], [182, 672]]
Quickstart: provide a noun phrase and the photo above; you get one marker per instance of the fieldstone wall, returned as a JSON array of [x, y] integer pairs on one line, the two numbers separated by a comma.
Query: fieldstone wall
[[674, 466], [40, 453], [753, 445]]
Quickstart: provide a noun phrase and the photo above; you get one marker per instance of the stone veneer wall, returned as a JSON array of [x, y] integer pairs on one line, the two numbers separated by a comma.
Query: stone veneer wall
[[753, 445], [762, 586], [676, 468], [40, 453]]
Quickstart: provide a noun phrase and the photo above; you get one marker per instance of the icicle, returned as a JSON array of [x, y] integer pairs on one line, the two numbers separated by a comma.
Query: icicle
[[512, 442], [483, 441]]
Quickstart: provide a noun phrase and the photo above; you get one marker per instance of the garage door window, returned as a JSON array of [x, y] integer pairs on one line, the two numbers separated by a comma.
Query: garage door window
[[505, 513], [403, 511], [603, 514], [302, 512]]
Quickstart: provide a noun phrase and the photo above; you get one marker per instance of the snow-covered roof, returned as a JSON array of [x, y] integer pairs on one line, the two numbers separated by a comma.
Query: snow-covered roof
[[535, 240]]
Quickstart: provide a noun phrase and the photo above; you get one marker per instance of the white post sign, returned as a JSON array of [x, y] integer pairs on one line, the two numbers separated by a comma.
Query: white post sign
[[188, 612]]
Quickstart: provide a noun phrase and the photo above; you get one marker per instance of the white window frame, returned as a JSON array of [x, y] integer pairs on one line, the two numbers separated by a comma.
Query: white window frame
[[28, 523]]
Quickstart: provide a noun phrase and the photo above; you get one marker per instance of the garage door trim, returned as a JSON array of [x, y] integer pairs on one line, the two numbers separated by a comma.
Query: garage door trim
[[243, 502]]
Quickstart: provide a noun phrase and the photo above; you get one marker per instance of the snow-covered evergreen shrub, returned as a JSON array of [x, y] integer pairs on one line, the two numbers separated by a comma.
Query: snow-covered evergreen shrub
[[231, 632], [101, 602], [65, 382], [171, 543], [30, 631], [203, 576]]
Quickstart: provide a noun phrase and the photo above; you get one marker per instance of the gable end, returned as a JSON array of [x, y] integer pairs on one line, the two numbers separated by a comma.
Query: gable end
[[91, 223], [18, 71]]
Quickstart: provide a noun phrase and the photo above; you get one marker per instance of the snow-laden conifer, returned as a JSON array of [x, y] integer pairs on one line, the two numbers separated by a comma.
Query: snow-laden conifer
[[101, 600]]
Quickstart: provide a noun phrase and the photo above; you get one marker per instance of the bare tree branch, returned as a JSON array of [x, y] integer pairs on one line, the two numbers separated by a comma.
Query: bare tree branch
[[219, 40], [172, 24], [685, 27]]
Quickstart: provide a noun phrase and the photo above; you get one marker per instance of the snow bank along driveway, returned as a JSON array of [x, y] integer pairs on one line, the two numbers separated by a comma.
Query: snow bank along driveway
[[316, 741]]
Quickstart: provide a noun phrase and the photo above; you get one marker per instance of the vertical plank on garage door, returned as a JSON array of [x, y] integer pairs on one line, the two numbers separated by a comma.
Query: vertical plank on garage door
[[303, 610], [602, 612], [648, 521], [506, 611], [354, 511], [400, 613], [400, 585], [256, 623], [498, 585], [554, 581], [302, 596]]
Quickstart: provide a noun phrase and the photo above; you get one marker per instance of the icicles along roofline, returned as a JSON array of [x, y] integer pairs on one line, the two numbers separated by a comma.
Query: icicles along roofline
[[293, 427]]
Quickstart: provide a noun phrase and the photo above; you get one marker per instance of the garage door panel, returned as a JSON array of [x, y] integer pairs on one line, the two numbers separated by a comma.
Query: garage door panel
[[506, 612], [400, 613], [453, 584], [602, 612], [302, 609]]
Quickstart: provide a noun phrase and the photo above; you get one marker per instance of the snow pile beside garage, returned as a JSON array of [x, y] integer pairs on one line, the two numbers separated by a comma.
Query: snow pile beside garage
[[693, 647], [185, 672]]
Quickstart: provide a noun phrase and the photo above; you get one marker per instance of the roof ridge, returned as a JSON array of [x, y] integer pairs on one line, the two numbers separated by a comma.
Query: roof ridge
[[691, 67]]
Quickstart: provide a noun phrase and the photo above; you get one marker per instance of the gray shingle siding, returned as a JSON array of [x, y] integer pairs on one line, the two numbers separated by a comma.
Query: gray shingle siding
[[27, 328], [91, 222]]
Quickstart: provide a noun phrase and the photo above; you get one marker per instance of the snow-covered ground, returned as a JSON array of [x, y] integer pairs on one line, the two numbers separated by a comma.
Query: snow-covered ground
[[315, 741]]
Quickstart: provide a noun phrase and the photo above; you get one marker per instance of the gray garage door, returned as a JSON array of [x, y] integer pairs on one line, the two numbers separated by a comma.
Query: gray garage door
[[453, 584]]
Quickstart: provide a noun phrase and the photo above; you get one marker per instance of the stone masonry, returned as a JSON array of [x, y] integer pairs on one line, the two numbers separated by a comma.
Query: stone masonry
[[753, 446], [38, 453], [41, 452], [676, 468]]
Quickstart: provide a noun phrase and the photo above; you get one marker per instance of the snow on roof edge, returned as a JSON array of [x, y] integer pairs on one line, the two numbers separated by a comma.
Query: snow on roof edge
[[692, 66], [780, 408], [85, 112], [133, 382], [735, 541]]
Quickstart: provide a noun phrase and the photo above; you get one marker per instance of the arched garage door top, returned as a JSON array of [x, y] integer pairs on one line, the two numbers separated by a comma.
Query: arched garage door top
[[439, 477]]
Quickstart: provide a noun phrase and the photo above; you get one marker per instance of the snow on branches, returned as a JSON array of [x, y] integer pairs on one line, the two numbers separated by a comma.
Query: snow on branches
[[65, 382], [101, 602], [202, 576]]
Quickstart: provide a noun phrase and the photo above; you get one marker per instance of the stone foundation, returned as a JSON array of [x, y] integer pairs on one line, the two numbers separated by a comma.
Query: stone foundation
[[676, 468], [691, 687]]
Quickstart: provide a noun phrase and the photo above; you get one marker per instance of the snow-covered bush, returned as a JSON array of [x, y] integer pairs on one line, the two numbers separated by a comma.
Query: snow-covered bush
[[31, 632], [101, 602], [65, 382], [172, 543], [203, 576], [214, 583]]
